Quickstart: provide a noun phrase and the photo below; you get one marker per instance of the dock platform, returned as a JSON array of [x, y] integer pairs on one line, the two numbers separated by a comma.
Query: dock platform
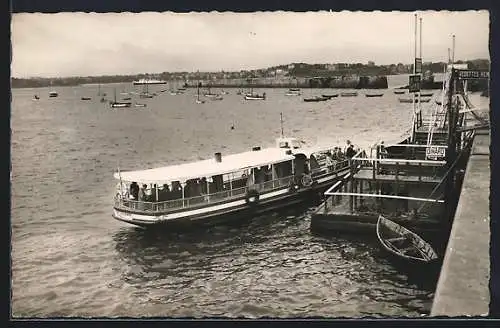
[[462, 288]]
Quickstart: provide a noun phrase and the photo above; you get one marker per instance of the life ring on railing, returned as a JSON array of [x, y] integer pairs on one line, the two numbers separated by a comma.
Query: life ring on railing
[[306, 180], [252, 197], [293, 186]]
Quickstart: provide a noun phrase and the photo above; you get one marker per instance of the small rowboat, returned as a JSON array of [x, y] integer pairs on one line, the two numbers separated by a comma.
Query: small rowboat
[[426, 94], [374, 94], [120, 104], [399, 92], [255, 97], [404, 244], [409, 100], [86, 98], [348, 94], [315, 99], [330, 96]]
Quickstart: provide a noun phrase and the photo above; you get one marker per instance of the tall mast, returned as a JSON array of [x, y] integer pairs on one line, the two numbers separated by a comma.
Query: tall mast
[[421, 69], [453, 51], [414, 72]]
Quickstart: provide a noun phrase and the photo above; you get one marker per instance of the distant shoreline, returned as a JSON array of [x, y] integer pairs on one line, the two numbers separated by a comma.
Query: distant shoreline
[[341, 82]]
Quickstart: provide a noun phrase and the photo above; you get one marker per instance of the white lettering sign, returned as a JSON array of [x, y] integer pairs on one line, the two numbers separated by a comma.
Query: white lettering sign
[[435, 153]]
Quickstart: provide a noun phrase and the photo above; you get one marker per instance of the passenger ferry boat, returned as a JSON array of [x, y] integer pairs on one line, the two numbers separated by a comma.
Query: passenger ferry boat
[[226, 188]]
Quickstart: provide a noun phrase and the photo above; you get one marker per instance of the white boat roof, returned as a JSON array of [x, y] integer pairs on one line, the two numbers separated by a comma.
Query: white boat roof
[[207, 168], [315, 149]]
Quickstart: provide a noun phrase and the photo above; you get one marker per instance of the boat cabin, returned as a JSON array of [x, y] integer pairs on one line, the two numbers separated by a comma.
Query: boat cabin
[[225, 182], [207, 181]]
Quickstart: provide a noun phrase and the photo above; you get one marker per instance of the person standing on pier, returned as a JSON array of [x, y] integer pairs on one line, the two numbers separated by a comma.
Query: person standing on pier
[[350, 152], [348, 144]]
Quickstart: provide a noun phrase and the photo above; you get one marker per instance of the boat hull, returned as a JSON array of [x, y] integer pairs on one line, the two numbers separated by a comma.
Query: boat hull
[[254, 98], [147, 83]]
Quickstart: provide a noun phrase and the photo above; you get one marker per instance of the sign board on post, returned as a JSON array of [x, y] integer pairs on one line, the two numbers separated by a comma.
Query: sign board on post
[[418, 65], [414, 83], [473, 74], [435, 153]]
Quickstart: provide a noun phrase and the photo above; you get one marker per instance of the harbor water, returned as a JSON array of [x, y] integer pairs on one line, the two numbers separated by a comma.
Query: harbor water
[[71, 258]]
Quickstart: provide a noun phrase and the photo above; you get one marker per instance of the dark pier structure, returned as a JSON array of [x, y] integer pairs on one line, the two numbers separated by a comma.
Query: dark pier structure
[[416, 182]]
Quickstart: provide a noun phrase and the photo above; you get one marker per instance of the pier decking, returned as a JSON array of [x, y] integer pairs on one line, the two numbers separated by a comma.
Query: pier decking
[[463, 284]]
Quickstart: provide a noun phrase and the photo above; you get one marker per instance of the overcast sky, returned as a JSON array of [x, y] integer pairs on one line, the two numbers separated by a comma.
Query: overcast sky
[[82, 44]]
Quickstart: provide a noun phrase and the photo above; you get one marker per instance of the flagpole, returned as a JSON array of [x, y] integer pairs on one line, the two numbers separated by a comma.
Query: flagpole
[[421, 68], [121, 184]]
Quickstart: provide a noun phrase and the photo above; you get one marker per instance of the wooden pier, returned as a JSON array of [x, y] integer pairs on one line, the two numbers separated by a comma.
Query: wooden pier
[[462, 288]]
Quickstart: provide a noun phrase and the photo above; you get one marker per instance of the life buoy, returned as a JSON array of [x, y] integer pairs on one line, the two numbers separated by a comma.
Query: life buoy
[[293, 186], [252, 197], [306, 180]]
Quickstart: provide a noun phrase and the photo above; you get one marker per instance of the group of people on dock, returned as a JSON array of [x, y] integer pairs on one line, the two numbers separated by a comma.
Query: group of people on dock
[[338, 154]]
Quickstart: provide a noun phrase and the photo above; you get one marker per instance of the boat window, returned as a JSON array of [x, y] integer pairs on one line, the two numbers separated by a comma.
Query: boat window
[[283, 144], [283, 169], [313, 162]]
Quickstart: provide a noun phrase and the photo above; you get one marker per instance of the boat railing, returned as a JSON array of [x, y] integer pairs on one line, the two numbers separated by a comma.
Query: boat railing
[[325, 170], [164, 206], [401, 167]]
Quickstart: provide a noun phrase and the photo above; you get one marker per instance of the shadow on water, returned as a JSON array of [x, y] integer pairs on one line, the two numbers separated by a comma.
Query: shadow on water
[[146, 246], [424, 277]]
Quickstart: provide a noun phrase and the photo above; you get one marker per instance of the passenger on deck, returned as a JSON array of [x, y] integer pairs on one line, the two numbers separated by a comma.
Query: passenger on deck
[[333, 154], [163, 193], [134, 190], [382, 152], [350, 152], [142, 193], [142, 197], [340, 154], [347, 145], [329, 162]]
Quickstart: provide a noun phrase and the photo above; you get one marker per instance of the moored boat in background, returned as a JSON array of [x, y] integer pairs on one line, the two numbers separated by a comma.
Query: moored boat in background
[[409, 100], [119, 104], [315, 99], [330, 96], [349, 94], [148, 81], [293, 92], [255, 96]]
